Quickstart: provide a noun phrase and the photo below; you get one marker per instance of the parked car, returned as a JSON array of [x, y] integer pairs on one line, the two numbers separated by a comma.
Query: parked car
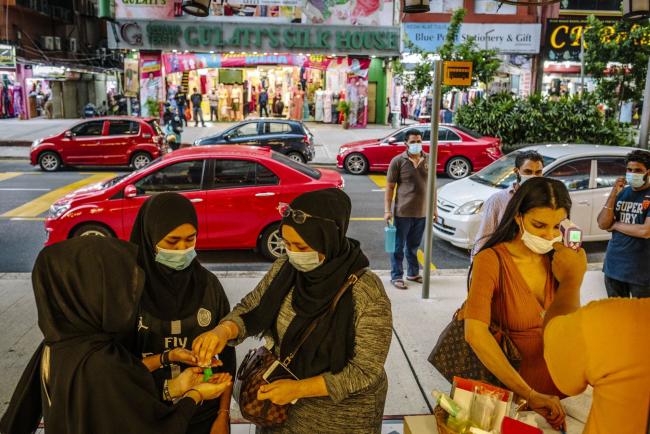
[[235, 189], [460, 151], [105, 141], [588, 171], [291, 138]]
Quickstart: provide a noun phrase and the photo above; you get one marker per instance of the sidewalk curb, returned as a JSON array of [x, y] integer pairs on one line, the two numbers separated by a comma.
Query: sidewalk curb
[[450, 272], [21, 143]]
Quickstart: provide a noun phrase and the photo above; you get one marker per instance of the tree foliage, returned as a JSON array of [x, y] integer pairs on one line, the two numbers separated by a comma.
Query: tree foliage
[[521, 121], [485, 63], [616, 56]]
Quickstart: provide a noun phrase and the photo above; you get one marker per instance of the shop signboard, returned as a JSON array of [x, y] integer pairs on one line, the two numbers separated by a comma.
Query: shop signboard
[[49, 72], [151, 80], [590, 7], [457, 74], [315, 12], [505, 38], [272, 38], [7, 56], [564, 35], [131, 83]]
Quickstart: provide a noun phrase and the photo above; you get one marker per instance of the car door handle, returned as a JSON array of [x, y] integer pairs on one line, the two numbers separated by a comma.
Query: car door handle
[[584, 202], [264, 194], [197, 200]]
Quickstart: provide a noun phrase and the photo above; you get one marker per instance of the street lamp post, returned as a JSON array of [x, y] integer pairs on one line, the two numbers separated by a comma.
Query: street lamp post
[[634, 10], [486, 37]]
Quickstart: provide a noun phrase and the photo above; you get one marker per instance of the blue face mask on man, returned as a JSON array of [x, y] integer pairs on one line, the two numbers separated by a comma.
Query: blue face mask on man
[[635, 180], [415, 148], [175, 259]]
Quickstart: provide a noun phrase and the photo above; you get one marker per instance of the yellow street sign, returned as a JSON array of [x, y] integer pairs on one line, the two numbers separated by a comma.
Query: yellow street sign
[[457, 74]]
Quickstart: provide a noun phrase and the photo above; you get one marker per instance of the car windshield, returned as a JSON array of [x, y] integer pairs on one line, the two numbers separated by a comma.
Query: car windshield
[[111, 182], [469, 132], [300, 167], [154, 124], [500, 174]]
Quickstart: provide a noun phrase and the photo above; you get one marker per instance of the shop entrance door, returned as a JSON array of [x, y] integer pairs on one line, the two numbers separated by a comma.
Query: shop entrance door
[[372, 102]]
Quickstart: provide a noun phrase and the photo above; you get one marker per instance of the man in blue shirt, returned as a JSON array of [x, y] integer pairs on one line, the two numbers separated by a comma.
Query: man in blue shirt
[[626, 214]]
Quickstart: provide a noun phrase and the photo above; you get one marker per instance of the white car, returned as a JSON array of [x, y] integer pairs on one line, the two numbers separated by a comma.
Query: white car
[[588, 171]]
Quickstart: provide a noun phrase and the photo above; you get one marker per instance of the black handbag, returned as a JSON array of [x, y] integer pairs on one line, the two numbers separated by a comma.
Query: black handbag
[[453, 357], [250, 375]]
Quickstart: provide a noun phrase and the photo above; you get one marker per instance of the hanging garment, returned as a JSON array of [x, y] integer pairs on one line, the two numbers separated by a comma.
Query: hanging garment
[[327, 108], [318, 114]]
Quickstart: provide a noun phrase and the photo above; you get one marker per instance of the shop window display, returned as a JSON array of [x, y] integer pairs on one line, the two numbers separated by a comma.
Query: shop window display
[[11, 96]]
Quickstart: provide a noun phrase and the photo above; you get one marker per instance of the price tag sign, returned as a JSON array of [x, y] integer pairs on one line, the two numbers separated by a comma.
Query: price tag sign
[[457, 74]]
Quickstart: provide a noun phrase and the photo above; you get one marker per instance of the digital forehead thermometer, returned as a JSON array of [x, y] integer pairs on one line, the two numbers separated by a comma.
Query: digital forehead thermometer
[[571, 234]]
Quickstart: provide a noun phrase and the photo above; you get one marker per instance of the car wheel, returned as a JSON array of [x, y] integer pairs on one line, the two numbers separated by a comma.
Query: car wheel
[[49, 161], [92, 229], [139, 160], [297, 156], [270, 243], [458, 167], [356, 164]]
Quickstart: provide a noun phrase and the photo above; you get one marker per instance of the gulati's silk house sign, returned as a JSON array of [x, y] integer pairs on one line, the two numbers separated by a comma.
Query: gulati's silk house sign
[[287, 38]]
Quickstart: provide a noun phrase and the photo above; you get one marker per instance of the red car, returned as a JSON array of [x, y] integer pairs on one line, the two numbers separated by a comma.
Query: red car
[[460, 151], [107, 141], [235, 189]]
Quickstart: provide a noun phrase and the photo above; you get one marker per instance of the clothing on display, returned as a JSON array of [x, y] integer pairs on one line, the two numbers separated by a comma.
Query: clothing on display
[[327, 104], [318, 108]]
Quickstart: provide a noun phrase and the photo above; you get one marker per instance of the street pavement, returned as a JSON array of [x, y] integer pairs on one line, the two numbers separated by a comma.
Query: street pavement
[[417, 324], [17, 135]]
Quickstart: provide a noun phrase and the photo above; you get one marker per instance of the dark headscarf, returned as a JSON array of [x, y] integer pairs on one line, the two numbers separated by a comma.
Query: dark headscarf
[[87, 291], [332, 344], [168, 294]]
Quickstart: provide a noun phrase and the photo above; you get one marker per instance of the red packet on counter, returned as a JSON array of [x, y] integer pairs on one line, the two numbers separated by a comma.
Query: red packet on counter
[[512, 426]]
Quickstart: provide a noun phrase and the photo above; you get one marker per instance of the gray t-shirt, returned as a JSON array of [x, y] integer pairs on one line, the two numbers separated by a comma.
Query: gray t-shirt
[[410, 199]]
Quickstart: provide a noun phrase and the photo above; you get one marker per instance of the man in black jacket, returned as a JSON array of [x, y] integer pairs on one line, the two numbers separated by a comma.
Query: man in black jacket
[[196, 99]]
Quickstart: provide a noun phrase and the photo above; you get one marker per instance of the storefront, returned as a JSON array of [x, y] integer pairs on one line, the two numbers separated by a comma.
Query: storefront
[[304, 70], [11, 92]]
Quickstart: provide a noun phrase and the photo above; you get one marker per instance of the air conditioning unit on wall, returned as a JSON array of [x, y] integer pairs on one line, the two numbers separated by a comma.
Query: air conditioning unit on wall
[[47, 43], [72, 45]]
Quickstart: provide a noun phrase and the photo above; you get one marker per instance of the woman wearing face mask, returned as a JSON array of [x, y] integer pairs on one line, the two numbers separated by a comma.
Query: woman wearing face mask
[[528, 232], [181, 300], [342, 383], [82, 378]]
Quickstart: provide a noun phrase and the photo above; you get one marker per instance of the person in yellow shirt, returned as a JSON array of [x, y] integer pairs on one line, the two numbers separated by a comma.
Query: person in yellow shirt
[[603, 344]]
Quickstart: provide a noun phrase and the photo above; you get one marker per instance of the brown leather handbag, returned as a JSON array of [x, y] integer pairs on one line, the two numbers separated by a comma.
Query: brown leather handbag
[[453, 357], [250, 375]]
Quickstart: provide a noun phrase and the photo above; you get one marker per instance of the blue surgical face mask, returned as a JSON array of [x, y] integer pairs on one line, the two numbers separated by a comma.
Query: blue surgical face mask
[[636, 180], [176, 259], [415, 148]]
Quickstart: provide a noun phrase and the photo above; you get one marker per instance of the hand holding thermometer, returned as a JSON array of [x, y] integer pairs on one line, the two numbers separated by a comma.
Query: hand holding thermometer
[[571, 234]]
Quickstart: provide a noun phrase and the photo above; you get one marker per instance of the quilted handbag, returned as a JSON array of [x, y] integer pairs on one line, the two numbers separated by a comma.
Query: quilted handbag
[[257, 362], [453, 357]]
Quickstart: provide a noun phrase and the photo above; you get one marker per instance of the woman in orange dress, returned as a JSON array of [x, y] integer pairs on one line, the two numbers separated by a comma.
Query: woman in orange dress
[[527, 234], [297, 102]]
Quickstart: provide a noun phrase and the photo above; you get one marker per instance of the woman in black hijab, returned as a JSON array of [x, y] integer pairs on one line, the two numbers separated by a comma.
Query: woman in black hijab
[[181, 300], [81, 378], [342, 384]]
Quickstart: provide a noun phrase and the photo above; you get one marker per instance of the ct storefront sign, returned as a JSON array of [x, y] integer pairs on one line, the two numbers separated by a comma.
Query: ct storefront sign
[[506, 38], [7, 56], [564, 36], [292, 38]]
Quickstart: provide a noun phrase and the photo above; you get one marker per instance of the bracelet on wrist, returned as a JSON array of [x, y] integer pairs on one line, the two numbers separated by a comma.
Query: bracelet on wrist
[[166, 395], [187, 395], [164, 358]]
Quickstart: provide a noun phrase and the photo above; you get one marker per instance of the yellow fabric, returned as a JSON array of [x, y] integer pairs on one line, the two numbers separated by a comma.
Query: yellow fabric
[[605, 344]]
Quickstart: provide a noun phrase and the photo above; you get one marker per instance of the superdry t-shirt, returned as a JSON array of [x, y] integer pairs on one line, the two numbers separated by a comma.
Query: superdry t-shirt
[[627, 257]]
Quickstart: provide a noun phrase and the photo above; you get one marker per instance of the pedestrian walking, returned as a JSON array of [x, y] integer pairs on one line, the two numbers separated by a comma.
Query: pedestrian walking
[[84, 378], [528, 164], [263, 101], [626, 214], [513, 282], [179, 295], [404, 109], [446, 115], [181, 103], [342, 384], [213, 98], [196, 100], [407, 181], [611, 359]]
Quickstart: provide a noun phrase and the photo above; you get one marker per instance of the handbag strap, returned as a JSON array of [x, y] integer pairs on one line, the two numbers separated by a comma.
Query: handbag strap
[[350, 281]]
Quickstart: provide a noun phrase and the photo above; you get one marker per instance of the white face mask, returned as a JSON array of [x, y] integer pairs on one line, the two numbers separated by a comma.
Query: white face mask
[[524, 178], [304, 261], [537, 244]]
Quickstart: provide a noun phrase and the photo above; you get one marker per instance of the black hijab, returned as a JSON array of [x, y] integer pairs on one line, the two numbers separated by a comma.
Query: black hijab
[[168, 294], [87, 291], [332, 344]]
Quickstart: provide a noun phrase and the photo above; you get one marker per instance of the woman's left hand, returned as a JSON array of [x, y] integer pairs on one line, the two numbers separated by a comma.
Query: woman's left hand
[[569, 265], [280, 392], [189, 378]]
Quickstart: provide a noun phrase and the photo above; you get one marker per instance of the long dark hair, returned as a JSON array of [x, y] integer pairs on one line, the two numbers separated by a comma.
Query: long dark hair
[[537, 192]]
